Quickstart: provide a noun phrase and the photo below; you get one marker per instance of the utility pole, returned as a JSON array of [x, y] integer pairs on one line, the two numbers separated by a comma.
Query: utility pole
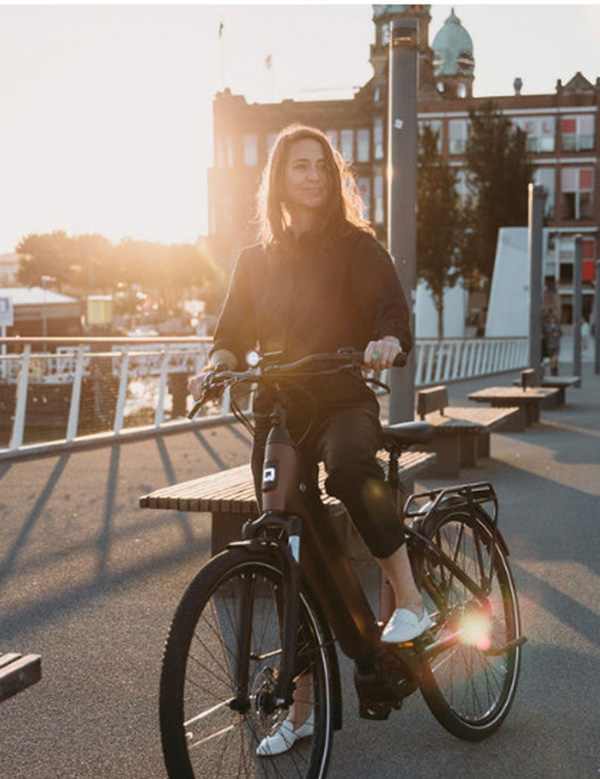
[[577, 293], [535, 202], [597, 320], [402, 192]]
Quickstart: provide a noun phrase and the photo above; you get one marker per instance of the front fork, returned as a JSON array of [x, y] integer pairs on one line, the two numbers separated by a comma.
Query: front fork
[[289, 611]]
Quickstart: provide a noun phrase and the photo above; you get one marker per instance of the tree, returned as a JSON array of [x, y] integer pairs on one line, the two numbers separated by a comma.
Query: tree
[[82, 261], [439, 222], [499, 170], [48, 254], [91, 264]]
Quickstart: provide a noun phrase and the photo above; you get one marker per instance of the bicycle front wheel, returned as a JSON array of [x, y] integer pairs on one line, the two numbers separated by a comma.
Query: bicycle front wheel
[[208, 728], [470, 684]]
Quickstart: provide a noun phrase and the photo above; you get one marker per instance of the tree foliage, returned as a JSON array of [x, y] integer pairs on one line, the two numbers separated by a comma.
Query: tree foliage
[[499, 170], [91, 264], [439, 222]]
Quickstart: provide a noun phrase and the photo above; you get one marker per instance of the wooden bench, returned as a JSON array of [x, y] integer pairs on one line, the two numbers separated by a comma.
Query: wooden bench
[[561, 383], [17, 672], [528, 400], [229, 497], [462, 432]]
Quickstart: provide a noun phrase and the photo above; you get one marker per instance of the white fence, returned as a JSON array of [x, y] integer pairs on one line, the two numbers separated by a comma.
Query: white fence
[[91, 390]]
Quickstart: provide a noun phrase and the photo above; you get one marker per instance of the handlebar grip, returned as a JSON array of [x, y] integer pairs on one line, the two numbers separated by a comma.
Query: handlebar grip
[[196, 408], [401, 360]]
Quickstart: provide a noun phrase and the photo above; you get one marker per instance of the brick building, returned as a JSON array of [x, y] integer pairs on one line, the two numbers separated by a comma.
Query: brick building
[[561, 127]]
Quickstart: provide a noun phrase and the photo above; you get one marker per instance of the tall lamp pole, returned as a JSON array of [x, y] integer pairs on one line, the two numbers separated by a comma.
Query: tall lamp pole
[[596, 320], [402, 191], [535, 231], [577, 305]]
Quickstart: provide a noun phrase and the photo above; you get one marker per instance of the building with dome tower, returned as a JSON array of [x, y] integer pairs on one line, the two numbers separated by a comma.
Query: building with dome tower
[[562, 136]]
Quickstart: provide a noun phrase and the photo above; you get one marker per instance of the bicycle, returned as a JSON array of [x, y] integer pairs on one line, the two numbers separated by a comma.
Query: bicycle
[[257, 626]]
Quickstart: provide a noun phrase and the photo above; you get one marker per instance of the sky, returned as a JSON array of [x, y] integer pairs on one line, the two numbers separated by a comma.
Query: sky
[[106, 110]]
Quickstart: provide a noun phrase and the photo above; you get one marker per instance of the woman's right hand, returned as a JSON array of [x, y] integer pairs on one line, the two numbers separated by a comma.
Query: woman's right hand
[[220, 360], [195, 385]]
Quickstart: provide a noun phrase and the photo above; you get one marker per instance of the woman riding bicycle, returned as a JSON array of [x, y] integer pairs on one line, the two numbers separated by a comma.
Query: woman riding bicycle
[[317, 282]]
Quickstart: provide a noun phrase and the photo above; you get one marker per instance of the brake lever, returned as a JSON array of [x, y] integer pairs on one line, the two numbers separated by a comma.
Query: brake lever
[[211, 391]]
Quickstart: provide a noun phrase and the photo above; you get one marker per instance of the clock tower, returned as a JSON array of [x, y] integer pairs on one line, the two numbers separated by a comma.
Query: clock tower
[[383, 15]]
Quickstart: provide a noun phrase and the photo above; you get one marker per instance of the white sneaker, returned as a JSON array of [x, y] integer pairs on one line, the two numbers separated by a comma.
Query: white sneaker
[[285, 738], [404, 625]]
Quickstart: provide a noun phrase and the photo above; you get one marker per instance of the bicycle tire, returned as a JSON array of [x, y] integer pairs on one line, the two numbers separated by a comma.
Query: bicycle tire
[[201, 735], [468, 688]]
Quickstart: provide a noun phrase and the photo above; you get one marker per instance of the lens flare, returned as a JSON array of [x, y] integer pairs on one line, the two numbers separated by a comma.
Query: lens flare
[[475, 629]]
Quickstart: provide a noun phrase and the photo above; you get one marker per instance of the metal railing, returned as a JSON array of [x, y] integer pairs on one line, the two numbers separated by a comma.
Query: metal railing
[[60, 393]]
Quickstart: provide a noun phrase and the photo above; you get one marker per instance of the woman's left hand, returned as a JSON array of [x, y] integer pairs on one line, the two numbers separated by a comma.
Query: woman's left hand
[[382, 353]]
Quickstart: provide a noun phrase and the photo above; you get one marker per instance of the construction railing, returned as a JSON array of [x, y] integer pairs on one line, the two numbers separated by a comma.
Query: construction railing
[[59, 393]]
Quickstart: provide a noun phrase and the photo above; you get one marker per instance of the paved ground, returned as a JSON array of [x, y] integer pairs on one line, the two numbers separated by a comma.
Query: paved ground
[[90, 581]]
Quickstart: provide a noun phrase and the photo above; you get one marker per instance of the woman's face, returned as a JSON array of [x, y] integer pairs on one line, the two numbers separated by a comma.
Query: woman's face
[[307, 182]]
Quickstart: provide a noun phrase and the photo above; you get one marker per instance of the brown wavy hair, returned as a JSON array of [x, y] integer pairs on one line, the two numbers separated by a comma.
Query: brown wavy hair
[[345, 207]]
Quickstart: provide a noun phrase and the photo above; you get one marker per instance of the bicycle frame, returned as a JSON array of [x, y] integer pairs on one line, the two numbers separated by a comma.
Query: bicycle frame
[[313, 551]]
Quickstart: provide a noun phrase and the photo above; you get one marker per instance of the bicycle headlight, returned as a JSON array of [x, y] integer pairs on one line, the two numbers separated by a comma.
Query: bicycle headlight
[[253, 359]]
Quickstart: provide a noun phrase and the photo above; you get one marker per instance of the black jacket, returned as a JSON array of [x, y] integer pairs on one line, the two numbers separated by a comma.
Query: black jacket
[[311, 300]]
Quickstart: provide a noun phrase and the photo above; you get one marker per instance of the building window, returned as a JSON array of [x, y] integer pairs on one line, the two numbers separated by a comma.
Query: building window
[[219, 153], [436, 127], [364, 188], [377, 94], [577, 132], [227, 221], [462, 184], [577, 187], [566, 258], [333, 136], [457, 130], [461, 89], [229, 152], [347, 145], [250, 147], [540, 132], [363, 145], [588, 251], [378, 149], [546, 177], [378, 210], [383, 34]]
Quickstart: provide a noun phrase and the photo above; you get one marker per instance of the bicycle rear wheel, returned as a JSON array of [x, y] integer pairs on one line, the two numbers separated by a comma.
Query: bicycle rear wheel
[[206, 731], [470, 685]]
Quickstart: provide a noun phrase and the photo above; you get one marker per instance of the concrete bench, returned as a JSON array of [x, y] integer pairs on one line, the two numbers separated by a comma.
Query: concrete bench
[[17, 672], [528, 400], [561, 383], [229, 497], [462, 432]]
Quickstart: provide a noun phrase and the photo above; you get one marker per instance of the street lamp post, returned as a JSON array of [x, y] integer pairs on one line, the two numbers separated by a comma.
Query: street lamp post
[[597, 320], [577, 293], [402, 189], [45, 280], [535, 231]]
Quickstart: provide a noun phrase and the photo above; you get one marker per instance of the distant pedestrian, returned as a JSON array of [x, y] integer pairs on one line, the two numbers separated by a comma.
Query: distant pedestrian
[[585, 334], [552, 333]]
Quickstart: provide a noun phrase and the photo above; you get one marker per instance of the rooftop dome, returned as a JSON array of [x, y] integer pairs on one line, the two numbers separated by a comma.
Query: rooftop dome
[[453, 50], [388, 10]]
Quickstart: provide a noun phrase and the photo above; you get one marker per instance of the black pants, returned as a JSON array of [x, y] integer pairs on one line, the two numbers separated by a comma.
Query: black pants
[[346, 440]]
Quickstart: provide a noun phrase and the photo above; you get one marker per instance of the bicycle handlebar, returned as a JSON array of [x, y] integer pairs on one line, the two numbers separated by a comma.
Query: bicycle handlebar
[[268, 369]]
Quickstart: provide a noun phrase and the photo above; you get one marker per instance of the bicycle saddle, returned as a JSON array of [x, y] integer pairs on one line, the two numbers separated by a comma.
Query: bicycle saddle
[[404, 434]]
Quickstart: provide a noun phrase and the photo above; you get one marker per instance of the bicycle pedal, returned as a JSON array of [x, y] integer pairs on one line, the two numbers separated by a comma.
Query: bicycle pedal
[[375, 710]]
